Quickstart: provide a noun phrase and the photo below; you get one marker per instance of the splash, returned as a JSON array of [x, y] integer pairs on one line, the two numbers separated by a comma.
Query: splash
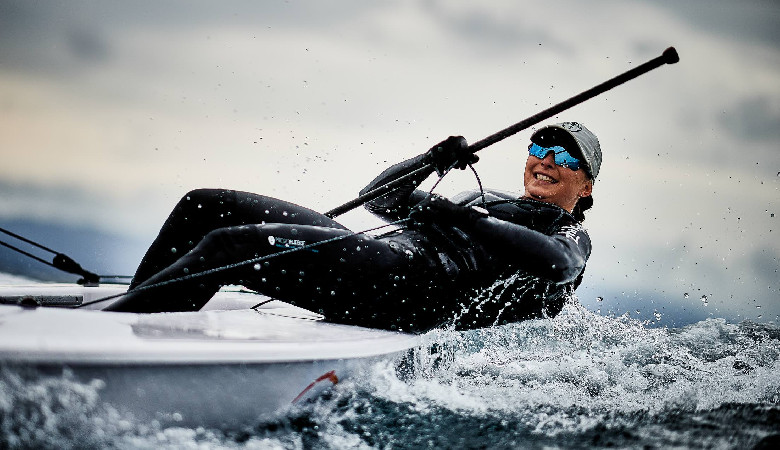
[[580, 376], [580, 379]]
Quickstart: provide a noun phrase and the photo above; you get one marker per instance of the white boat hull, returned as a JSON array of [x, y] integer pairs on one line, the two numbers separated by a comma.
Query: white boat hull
[[223, 366]]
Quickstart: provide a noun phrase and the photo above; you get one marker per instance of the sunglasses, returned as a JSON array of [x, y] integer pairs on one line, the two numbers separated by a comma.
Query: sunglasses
[[562, 157]]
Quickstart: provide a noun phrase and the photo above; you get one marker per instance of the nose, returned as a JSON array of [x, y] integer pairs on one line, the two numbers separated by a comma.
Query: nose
[[549, 159]]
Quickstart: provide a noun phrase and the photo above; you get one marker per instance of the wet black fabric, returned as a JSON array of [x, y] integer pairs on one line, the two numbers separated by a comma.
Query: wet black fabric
[[520, 262]]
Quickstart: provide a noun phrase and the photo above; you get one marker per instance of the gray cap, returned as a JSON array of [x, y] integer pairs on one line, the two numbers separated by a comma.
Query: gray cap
[[586, 141]]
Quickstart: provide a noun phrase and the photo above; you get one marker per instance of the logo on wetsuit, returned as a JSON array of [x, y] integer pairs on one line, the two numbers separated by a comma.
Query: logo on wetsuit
[[282, 242], [572, 232]]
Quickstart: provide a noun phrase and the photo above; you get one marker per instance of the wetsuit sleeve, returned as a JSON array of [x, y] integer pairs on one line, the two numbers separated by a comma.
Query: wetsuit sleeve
[[559, 257], [397, 203]]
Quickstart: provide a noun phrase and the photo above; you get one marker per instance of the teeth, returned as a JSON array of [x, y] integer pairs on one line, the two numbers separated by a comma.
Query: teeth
[[542, 177]]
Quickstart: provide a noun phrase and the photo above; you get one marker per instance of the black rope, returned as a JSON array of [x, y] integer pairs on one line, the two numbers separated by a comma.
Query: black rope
[[29, 255], [479, 183], [73, 266], [60, 261], [23, 239], [243, 263], [262, 258]]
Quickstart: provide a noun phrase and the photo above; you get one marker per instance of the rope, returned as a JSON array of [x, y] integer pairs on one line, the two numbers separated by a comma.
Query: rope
[[245, 262], [283, 252], [60, 261], [479, 183], [29, 255], [23, 239]]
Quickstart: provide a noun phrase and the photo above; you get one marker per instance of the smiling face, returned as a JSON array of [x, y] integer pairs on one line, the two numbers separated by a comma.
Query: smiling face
[[548, 182]]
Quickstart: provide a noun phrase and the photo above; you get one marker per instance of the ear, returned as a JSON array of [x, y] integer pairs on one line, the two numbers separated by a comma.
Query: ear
[[587, 188]]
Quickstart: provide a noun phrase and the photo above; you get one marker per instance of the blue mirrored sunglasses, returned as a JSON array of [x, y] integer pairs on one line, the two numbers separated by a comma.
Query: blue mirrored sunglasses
[[562, 157]]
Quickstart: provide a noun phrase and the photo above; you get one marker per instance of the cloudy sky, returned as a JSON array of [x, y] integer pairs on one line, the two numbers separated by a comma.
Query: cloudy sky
[[111, 111]]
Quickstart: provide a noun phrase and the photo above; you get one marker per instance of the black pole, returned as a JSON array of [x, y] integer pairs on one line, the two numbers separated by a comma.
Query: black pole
[[669, 56]]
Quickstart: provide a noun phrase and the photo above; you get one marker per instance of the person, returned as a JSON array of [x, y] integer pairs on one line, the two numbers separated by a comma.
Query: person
[[479, 259]]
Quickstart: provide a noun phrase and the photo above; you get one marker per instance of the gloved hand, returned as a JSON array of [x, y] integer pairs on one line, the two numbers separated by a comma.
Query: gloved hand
[[437, 209], [449, 153]]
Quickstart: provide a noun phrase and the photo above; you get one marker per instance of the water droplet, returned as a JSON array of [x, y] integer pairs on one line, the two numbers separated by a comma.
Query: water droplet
[[332, 293], [200, 206], [704, 300], [686, 295], [599, 299], [257, 266], [173, 250], [284, 213]]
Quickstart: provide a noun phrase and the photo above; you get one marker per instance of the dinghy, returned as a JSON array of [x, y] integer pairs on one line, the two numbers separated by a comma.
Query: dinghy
[[241, 357]]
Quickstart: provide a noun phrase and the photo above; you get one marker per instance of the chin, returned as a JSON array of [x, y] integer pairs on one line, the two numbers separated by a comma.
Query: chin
[[539, 194]]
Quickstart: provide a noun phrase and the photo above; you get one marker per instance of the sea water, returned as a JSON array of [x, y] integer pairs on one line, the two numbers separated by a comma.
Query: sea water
[[580, 380]]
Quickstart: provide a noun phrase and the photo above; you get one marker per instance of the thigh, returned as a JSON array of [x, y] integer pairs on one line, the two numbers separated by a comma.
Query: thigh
[[349, 278], [222, 208], [203, 211]]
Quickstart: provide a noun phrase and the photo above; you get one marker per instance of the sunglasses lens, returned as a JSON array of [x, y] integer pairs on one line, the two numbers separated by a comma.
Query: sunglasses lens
[[562, 157]]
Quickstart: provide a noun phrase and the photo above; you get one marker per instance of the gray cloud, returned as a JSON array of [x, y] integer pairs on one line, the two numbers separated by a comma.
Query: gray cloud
[[754, 119], [756, 20], [493, 31], [274, 97]]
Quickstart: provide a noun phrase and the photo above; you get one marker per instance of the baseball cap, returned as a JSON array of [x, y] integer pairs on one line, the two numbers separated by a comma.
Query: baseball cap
[[573, 136]]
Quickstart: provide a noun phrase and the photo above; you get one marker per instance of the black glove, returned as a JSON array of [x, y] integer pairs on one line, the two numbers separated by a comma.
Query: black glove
[[437, 209], [449, 153]]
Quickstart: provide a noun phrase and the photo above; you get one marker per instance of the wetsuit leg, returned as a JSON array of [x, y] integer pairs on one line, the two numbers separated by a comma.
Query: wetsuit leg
[[352, 279], [204, 210]]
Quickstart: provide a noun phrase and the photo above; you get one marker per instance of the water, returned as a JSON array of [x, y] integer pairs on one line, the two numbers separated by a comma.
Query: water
[[580, 380]]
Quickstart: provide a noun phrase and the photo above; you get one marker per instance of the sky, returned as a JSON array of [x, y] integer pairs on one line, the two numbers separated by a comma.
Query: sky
[[111, 111]]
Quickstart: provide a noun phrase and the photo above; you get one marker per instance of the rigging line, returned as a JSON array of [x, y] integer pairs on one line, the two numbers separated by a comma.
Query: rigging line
[[273, 255], [244, 263], [23, 239], [479, 183], [476, 175], [29, 255], [61, 261]]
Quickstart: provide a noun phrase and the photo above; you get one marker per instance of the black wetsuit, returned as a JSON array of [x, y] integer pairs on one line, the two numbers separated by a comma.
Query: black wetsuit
[[521, 262]]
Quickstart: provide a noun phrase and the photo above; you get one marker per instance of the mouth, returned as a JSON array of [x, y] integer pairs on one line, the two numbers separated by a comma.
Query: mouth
[[545, 178]]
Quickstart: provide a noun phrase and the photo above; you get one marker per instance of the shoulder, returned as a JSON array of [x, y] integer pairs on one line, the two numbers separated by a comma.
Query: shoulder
[[574, 231], [475, 196]]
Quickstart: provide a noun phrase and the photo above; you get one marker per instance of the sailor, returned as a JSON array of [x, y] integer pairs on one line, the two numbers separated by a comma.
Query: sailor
[[479, 259]]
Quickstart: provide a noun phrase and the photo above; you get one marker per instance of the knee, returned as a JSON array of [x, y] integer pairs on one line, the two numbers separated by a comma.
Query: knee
[[197, 196], [231, 242]]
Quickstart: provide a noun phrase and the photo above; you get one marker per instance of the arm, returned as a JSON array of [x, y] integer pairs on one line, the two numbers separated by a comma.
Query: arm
[[396, 204], [452, 152], [560, 257]]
